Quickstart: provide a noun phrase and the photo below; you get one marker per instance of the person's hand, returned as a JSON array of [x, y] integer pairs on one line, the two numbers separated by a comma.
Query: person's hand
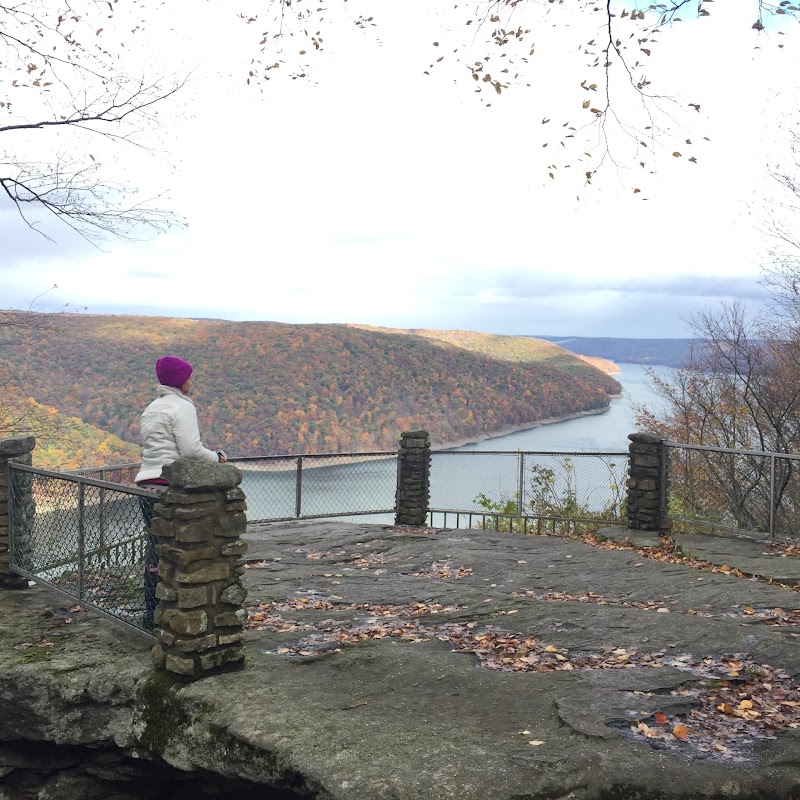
[[222, 457]]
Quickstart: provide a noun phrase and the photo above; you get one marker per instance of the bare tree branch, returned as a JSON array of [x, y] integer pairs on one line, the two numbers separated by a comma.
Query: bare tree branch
[[63, 78]]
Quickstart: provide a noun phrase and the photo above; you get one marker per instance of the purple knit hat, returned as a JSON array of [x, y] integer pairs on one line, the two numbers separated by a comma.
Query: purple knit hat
[[173, 371]]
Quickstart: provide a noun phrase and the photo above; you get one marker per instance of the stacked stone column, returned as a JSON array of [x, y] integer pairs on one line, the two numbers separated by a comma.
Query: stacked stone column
[[198, 521], [413, 480], [647, 480], [17, 448]]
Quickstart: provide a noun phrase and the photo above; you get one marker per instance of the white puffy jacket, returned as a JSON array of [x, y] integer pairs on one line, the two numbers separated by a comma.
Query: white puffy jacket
[[169, 432]]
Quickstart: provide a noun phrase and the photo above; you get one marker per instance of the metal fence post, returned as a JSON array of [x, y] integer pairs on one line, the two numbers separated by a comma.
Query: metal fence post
[[102, 512], [663, 480], [81, 542], [298, 497], [10, 511], [398, 461], [772, 497], [16, 511], [521, 485]]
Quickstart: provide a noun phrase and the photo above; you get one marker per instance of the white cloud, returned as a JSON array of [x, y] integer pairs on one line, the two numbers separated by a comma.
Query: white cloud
[[383, 195]]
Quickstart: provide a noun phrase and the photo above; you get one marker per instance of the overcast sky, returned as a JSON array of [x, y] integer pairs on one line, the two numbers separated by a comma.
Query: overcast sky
[[374, 193]]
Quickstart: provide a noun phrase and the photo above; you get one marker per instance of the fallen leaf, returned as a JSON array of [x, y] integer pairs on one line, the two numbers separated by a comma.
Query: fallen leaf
[[680, 732], [650, 733]]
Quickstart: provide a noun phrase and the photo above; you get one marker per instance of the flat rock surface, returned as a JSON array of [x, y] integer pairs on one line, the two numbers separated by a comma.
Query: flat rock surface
[[750, 556], [754, 557], [378, 670], [621, 534]]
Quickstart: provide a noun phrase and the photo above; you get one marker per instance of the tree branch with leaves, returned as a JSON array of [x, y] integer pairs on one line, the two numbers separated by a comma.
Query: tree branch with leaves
[[617, 113]]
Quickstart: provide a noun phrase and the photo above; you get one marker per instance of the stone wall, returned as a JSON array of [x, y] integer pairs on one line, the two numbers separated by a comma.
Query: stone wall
[[413, 478], [647, 481], [17, 448], [198, 521]]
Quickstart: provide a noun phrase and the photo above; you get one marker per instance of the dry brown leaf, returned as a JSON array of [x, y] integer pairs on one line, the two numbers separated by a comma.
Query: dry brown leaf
[[680, 732]]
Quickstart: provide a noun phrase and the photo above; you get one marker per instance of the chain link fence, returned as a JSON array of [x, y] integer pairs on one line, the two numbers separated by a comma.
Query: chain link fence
[[555, 491], [289, 487], [314, 486], [118, 473], [88, 539], [744, 491], [83, 537]]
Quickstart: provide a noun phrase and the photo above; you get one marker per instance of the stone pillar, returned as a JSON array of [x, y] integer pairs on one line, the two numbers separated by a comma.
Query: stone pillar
[[413, 479], [198, 520], [647, 479], [17, 448]]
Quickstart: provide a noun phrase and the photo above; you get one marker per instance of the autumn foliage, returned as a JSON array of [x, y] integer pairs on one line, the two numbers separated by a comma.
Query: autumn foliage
[[268, 388]]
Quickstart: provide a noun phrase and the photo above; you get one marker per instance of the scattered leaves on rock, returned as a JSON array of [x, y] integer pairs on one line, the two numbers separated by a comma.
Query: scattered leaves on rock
[[368, 560], [319, 554], [784, 549], [775, 617], [263, 616], [730, 714], [600, 600], [735, 700], [28, 645], [443, 569], [413, 529]]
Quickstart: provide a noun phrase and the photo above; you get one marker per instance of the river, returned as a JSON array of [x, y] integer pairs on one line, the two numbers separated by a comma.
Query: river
[[456, 478], [599, 432]]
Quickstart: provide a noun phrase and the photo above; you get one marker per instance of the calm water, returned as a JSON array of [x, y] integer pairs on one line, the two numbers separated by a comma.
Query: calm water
[[460, 474], [601, 432]]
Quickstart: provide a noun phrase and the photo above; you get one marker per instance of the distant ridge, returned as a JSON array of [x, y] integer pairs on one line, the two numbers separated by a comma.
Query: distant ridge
[[516, 349], [670, 352]]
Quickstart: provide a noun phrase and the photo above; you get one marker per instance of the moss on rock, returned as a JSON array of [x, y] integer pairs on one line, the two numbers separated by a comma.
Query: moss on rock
[[160, 713]]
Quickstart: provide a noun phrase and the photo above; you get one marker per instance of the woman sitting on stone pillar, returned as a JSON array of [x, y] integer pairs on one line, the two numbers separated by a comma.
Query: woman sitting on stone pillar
[[169, 431]]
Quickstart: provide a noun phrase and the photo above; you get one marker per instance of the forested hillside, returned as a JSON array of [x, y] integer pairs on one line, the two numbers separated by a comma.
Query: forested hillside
[[64, 442], [518, 349], [272, 388]]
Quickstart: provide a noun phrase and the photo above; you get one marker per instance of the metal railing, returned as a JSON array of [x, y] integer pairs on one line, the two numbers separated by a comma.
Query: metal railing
[[744, 491], [83, 537], [307, 486], [117, 473], [518, 523], [478, 486], [527, 491], [280, 488]]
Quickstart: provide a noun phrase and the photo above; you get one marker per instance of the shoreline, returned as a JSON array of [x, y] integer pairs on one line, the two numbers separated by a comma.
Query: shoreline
[[279, 464], [517, 428]]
